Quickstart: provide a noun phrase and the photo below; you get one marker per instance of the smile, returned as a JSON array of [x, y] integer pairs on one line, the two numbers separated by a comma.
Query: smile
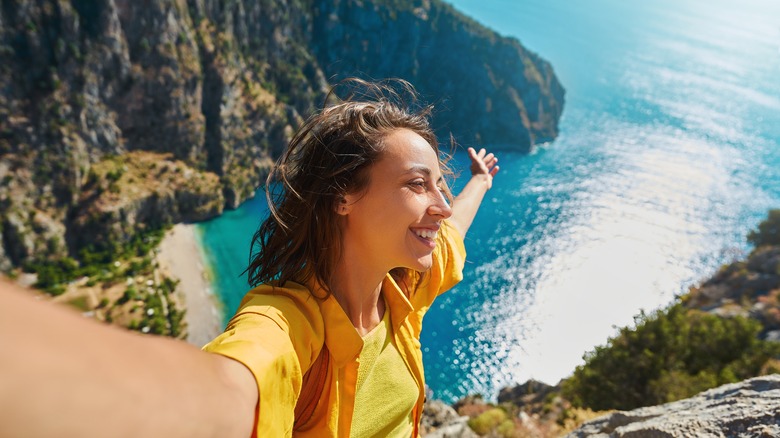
[[426, 234], [426, 237]]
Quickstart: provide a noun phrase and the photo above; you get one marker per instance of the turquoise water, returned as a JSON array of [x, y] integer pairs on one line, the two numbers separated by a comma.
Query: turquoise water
[[668, 155]]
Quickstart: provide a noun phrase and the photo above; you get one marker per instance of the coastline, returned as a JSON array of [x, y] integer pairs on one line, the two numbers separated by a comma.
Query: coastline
[[182, 258]]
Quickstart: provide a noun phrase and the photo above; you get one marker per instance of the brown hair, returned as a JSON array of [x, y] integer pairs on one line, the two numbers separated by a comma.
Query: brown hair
[[328, 158]]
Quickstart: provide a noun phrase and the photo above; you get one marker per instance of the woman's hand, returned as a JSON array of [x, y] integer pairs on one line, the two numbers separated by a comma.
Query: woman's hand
[[483, 163], [464, 208]]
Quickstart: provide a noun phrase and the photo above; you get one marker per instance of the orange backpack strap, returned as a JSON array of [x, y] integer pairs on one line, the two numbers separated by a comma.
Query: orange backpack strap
[[311, 390]]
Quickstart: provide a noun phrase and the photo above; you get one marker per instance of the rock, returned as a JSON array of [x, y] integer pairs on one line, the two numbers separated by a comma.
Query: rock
[[471, 406], [746, 409], [512, 100], [765, 259], [5, 261], [748, 288], [165, 192], [441, 421], [529, 392], [17, 238]]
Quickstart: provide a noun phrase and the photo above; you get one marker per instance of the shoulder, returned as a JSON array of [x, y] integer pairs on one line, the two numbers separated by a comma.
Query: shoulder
[[270, 315], [293, 303], [450, 253], [450, 239]]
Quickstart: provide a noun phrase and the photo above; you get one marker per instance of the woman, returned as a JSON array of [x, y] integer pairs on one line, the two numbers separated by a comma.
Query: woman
[[362, 212], [360, 240]]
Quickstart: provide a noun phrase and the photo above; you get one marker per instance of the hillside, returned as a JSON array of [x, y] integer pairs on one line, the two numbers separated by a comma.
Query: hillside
[[120, 117]]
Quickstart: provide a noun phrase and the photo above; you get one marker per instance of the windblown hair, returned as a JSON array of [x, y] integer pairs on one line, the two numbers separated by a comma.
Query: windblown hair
[[328, 158]]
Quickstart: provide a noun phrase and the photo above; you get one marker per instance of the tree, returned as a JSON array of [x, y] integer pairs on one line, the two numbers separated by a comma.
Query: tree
[[768, 232], [671, 354]]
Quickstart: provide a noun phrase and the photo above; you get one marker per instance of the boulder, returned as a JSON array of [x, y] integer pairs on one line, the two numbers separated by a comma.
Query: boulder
[[441, 421], [746, 409]]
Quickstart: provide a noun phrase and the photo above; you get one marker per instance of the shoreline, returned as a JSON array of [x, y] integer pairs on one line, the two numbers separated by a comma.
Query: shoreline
[[182, 258]]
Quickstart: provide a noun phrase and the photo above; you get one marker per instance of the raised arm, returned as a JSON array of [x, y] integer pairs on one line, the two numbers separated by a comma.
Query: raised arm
[[464, 207], [66, 375]]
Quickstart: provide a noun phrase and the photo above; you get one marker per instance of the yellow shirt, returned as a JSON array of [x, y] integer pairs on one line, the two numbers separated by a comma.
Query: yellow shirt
[[386, 389], [278, 332]]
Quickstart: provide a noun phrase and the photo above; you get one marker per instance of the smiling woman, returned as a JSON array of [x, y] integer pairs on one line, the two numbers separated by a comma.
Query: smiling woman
[[361, 239], [361, 222], [405, 199]]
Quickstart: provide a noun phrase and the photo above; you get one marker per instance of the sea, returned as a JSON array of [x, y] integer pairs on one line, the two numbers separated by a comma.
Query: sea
[[668, 155]]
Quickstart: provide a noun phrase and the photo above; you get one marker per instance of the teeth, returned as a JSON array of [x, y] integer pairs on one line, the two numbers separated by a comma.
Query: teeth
[[427, 234]]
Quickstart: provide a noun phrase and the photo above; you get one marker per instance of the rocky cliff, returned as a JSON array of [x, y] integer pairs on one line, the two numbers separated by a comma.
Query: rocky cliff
[[92, 93], [749, 288], [489, 89]]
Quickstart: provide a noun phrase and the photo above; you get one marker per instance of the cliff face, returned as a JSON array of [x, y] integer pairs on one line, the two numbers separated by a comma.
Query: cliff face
[[215, 89], [750, 288], [486, 88]]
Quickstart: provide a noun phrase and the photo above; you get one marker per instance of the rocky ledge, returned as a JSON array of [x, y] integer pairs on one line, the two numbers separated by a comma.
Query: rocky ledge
[[746, 409], [750, 408]]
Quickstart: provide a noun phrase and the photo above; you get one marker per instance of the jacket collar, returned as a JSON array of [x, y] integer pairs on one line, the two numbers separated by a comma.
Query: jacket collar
[[341, 338]]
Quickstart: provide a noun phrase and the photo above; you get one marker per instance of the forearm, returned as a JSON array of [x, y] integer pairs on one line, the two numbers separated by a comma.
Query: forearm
[[65, 375], [466, 204]]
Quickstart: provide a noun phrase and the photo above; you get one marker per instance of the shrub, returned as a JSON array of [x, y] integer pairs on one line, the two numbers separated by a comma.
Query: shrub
[[80, 303], [131, 294], [507, 429], [53, 274], [671, 354], [768, 232], [487, 421]]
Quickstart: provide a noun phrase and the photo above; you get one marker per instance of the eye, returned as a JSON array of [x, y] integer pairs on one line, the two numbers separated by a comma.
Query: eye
[[417, 185]]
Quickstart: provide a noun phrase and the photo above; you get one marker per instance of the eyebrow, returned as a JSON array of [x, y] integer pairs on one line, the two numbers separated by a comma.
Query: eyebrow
[[426, 170]]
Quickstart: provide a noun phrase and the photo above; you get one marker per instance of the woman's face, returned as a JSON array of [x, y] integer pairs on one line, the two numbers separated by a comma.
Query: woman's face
[[394, 222]]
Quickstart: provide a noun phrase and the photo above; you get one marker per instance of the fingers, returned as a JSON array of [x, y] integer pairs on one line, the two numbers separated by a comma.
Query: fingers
[[483, 156], [483, 162]]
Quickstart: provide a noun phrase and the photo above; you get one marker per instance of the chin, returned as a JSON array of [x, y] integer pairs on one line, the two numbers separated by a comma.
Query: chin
[[423, 264]]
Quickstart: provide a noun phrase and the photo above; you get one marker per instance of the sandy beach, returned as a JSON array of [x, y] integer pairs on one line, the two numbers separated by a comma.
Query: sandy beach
[[181, 257]]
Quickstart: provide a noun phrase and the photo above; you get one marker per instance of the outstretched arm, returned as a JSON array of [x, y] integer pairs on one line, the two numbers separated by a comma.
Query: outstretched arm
[[65, 375], [464, 207]]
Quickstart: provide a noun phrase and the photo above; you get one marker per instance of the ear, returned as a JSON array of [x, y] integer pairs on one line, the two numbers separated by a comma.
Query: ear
[[344, 205]]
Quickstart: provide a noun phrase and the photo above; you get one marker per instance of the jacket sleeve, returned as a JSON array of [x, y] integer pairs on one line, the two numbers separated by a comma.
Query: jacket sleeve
[[276, 340]]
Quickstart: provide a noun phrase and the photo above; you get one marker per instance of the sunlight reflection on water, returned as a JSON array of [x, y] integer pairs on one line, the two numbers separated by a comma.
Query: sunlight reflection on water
[[589, 233], [668, 155]]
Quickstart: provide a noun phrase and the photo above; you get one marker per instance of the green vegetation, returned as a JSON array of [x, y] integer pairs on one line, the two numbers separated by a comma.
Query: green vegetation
[[768, 232], [80, 303], [671, 354], [680, 351], [52, 275], [97, 264], [159, 313], [159, 316], [492, 420]]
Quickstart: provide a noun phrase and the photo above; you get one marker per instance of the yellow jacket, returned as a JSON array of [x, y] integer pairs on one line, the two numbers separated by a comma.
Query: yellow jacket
[[278, 332]]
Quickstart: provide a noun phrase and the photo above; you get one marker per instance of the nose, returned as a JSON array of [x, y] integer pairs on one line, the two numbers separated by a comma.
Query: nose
[[439, 206]]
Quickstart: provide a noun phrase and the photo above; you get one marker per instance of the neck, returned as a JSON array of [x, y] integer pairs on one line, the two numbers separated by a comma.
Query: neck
[[357, 288]]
